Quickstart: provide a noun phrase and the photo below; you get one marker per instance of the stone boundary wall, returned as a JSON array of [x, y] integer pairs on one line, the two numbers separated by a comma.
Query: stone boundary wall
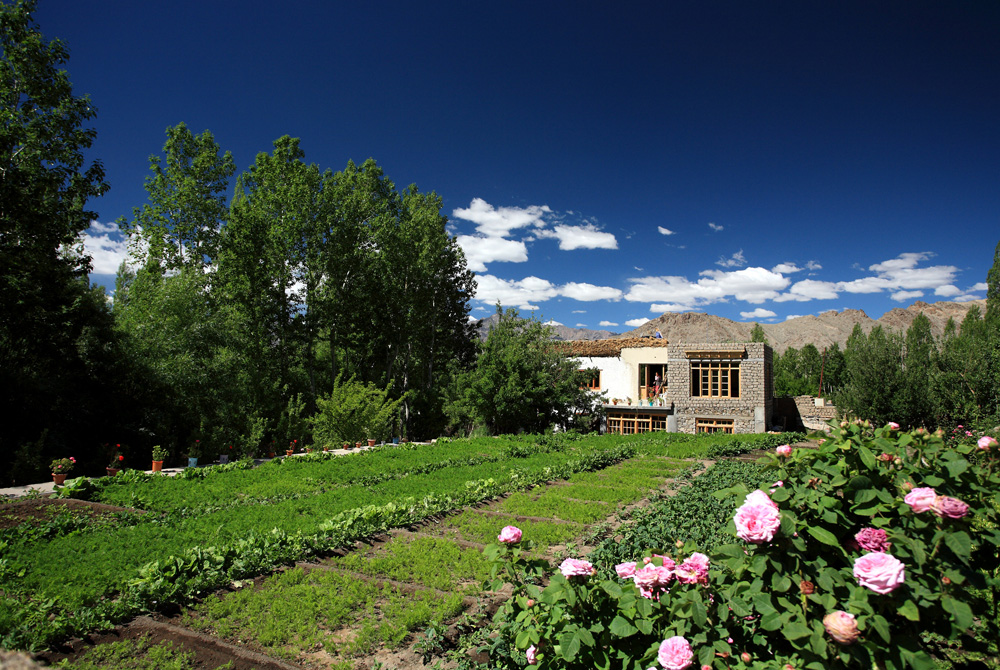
[[801, 413]]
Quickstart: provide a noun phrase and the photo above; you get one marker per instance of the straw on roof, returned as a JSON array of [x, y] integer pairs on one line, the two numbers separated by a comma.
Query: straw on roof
[[608, 348]]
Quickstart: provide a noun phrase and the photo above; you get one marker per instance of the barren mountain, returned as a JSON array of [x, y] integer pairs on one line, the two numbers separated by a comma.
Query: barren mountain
[[483, 326], [822, 330]]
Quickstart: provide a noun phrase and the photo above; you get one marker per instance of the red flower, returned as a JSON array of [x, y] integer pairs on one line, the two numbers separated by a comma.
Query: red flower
[[120, 457]]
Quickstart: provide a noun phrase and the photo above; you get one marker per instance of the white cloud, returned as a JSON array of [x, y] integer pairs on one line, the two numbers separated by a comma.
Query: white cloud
[[981, 286], [607, 323], [665, 231], [635, 323], [948, 290], [737, 260], [902, 275], [106, 252], [581, 325], [579, 311], [716, 227], [500, 221], [809, 289], [589, 292], [482, 250], [903, 296], [522, 294], [793, 316], [753, 285], [812, 266], [479, 309], [580, 237], [551, 322], [786, 268], [759, 313], [965, 298]]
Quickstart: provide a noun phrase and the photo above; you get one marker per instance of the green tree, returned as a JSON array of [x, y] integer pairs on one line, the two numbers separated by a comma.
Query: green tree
[[521, 381], [180, 225], [965, 382], [757, 334], [51, 323], [918, 400], [874, 381], [993, 290]]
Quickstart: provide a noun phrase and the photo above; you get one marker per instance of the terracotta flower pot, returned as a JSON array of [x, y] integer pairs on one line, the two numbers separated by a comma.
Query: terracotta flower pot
[[112, 471], [289, 452], [157, 466], [371, 443], [58, 479], [357, 445]]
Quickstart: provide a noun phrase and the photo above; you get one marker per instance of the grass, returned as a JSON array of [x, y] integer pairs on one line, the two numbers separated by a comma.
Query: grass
[[298, 612], [138, 654]]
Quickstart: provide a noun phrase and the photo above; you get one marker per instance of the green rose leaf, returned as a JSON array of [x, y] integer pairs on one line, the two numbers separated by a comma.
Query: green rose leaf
[[622, 628], [960, 543], [909, 610], [823, 535]]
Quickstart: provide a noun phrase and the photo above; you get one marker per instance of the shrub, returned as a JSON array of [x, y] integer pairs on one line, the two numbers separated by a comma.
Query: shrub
[[866, 552], [353, 411]]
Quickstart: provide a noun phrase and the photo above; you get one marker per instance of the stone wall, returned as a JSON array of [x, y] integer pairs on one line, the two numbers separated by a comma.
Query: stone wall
[[802, 413], [750, 413]]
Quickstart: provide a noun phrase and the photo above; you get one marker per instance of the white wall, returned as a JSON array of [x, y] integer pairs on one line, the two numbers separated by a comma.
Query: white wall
[[615, 376]]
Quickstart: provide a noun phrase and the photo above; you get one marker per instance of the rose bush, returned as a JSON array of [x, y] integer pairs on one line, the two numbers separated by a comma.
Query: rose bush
[[858, 560]]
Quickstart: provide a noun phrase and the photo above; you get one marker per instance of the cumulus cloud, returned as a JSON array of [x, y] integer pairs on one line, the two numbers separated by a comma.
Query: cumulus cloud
[[551, 322], [737, 260], [482, 250], [500, 221], [981, 286], [809, 289], [520, 293], [786, 268], [948, 290], [664, 231], [579, 311], [588, 292], [793, 316], [812, 266], [579, 237], [759, 313], [716, 227], [753, 285], [635, 323], [903, 296], [902, 275], [607, 323], [106, 251]]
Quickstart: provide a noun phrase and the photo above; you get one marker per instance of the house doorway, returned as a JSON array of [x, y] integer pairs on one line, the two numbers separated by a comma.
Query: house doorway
[[648, 387]]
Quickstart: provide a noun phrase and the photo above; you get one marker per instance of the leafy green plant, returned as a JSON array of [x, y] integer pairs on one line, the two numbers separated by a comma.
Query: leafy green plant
[[159, 453], [354, 411]]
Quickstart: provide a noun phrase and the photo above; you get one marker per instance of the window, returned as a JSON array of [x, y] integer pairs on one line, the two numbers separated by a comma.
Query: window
[[629, 424], [715, 378], [594, 384], [713, 426]]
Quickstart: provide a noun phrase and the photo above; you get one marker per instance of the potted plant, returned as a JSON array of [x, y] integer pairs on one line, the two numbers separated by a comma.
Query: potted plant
[[60, 468], [159, 455], [291, 447], [224, 456], [117, 461], [371, 442], [194, 453]]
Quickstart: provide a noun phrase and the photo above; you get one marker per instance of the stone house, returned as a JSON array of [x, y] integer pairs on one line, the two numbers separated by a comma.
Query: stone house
[[703, 387]]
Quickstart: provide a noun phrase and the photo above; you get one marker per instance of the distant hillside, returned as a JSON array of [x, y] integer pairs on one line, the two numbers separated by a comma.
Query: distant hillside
[[483, 326], [822, 330]]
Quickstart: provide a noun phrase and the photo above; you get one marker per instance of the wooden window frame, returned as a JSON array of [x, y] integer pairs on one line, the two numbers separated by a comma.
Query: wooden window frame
[[596, 380], [725, 426], [715, 378]]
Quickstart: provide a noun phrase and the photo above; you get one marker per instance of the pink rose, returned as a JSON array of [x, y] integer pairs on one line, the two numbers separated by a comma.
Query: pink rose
[[893, 425], [574, 567], [920, 499], [949, 507], [510, 535], [872, 539], [532, 655], [675, 653], [694, 570], [783, 450], [986, 442], [653, 579], [757, 523], [758, 497], [879, 572], [841, 627], [625, 570]]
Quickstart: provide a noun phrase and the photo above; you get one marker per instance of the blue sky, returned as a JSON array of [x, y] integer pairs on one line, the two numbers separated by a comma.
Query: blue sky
[[601, 163]]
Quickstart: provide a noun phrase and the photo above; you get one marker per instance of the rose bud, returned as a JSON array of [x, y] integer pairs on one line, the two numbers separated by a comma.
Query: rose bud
[[841, 627], [945, 580], [807, 587], [746, 657], [530, 603]]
